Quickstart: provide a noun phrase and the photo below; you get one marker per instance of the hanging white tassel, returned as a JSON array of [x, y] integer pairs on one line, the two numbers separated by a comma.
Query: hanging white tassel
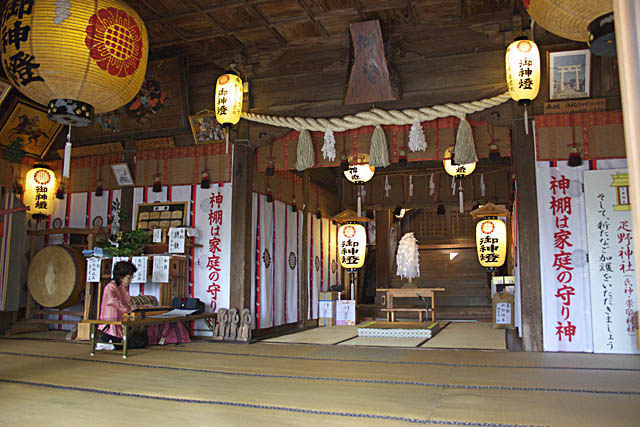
[[453, 185], [329, 146], [483, 187], [67, 156], [387, 187], [526, 121], [432, 185], [408, 258], [461, 198], [306, 154], [410, 186], [417, 141], [378, 153], [465, 150], [226, 138]]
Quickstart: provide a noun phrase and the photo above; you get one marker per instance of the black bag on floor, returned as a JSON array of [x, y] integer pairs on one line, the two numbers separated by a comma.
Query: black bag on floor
[[188, 304]]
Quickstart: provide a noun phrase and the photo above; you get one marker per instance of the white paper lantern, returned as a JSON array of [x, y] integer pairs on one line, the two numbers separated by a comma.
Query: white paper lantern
[[352, 245]]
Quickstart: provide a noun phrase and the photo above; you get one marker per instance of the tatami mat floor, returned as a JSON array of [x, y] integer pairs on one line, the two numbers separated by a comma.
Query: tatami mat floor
[[54, 382], [459, 335]]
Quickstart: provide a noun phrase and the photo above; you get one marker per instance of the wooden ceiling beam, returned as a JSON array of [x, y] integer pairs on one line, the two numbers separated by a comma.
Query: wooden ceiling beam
[[358, 6], [156, 17], [237, 42], [313, 20], [265, 22]]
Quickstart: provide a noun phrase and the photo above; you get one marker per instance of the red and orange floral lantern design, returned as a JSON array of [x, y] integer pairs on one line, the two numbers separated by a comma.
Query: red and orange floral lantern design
[[76, 57]]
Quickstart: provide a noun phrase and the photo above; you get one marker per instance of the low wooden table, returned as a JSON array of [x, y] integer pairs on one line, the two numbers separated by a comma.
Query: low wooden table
[[392, 293], [128, 324]]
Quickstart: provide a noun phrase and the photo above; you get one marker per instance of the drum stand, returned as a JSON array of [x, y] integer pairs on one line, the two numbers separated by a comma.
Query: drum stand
[[35, 317]]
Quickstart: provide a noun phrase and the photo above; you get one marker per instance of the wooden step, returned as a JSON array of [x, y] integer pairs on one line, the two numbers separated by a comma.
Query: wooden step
[[375, 311]]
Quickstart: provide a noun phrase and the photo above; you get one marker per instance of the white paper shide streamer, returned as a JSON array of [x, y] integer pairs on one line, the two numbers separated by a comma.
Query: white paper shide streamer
[[329, 146], [417, 141], [407, 258], [432, 185]]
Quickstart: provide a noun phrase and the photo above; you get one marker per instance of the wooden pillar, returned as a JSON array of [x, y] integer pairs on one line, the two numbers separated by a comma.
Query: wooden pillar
[[523, 157], [304, 262], [126, 193], [627, 14], [241, 209], [383, 267]]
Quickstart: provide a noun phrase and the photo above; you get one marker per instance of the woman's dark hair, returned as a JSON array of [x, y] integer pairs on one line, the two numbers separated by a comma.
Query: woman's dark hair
[[122, 269]]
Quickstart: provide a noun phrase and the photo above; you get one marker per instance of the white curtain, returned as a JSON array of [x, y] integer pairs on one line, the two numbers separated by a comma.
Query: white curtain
[[266, 218], [292, 261]]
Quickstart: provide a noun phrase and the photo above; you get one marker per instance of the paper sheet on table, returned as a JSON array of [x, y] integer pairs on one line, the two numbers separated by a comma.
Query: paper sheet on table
[[175, 313]]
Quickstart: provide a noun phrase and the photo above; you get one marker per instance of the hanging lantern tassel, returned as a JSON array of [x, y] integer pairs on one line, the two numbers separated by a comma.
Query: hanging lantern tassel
[[417, 141], [574, 157], [306, 154], [526, 120], [378, 154], [483, 187], [329, 146], [461, 197], [453, 185], [205, 181], [99, 189], [157, 183], [465, 151], [66, 166], [387, 187]]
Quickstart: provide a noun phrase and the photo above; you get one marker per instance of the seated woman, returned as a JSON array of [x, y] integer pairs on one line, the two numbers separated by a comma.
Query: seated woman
[[115, 302]]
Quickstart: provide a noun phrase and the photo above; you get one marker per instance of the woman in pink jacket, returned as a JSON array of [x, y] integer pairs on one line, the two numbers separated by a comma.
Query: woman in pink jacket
[[115, 302]]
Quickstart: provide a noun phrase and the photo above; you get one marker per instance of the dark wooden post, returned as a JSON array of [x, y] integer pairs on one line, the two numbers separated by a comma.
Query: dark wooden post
[[523, 157], [304, 262], [383, 270], [241, 208]]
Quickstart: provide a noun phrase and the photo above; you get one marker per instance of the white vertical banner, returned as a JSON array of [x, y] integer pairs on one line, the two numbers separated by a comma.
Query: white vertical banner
[[612, 263], [78, 210], [56, 220], [99, 212], [266, 262], [158, 197], [213, 259], [254, 235], [315, 265], [279, 262], [291, 266], [566, 297]]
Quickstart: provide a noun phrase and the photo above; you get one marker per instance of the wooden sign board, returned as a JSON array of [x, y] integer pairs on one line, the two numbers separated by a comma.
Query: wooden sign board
[[575, 106], [161, 215]]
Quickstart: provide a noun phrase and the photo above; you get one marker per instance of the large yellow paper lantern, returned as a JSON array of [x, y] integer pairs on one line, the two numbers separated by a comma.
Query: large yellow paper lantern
[[40, 191], [352, 245], [228, 99], [459, 171], [491, 242], [76, 57], [522, 62]]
